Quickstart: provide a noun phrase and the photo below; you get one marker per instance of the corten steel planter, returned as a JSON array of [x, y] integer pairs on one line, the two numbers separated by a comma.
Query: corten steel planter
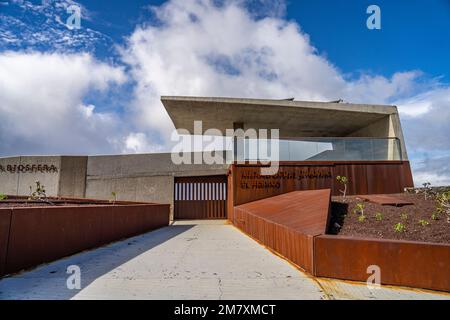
[[403, 263], [42, 234], [5, 223], [287, 223], [294, 226]]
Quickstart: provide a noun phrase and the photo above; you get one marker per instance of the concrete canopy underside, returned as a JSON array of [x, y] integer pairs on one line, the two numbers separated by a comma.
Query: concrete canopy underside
[[293, 118]]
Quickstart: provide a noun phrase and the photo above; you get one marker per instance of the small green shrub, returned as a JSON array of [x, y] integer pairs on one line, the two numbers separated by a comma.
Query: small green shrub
[[435, 216], [38, 193], [404, 216], [442, 205], [362, 218], [114, 197], [426, 189], [344, 181], [359, 208], [3, 196], [399, 227], [423, 223], [378, 216]]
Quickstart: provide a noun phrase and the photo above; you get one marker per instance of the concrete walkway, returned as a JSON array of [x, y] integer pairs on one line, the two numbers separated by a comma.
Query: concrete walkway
[[189, 260]]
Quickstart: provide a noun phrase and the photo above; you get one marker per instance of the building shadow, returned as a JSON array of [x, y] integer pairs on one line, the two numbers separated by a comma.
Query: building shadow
[[49, 281]]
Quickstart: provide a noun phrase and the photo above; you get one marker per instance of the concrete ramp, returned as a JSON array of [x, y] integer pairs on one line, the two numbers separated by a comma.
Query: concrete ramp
[[287, 223]]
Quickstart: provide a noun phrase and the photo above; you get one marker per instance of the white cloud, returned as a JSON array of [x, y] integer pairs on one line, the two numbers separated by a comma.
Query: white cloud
[[436, 171], [200, 48], [426, 120], [42, 108], [196, 48], [137, 142]]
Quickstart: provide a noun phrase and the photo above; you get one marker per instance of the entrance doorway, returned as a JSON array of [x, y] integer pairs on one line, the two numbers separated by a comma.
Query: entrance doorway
[[200, 197]]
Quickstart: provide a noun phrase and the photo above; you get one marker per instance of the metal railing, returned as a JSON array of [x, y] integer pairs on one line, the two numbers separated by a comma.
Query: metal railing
[[319, 149]]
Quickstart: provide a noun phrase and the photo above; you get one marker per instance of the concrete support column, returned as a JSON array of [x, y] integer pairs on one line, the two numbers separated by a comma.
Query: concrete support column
[[238, 141]]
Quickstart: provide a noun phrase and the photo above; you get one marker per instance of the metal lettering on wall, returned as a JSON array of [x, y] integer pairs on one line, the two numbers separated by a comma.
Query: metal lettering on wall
[[28, 168], [252, 180]]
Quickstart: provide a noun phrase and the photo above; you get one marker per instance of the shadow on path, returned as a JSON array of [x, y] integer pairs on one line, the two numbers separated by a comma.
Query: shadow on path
[[49, 281]]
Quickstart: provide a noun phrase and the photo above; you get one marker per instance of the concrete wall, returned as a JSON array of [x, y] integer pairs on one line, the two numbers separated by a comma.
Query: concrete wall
[[143, 177], [18, 182], [72, 177], [389, 127]]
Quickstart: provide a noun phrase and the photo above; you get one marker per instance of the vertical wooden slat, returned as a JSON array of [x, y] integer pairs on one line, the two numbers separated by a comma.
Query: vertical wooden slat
[[200, 197]]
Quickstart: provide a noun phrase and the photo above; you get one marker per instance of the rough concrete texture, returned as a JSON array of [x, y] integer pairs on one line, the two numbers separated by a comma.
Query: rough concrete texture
[[189, 260], [141, 177], [69, 180], [72, 176], [293, 118], [9, 181], [19, 183]]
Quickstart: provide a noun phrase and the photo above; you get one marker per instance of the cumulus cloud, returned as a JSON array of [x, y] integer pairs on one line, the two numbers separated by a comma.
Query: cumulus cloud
[[42, 104], [436, 171], [201, 48], [235, 48], [427, 120]]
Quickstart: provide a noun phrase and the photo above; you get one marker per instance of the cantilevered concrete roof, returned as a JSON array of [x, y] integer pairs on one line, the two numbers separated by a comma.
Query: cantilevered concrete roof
[[293, 118]]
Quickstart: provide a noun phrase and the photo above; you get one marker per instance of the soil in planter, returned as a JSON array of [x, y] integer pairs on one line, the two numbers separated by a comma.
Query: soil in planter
[[40, 204], [345, 222]]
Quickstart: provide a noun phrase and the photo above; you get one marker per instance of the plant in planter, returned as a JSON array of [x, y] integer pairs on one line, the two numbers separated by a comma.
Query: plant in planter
[[38, 194], [423, 223], [426, 189], [435, 215], [359, 208], [378, 216], [344, 181], [399, 227], [3, 196], [404, 216], [443, 204], [114, 199]]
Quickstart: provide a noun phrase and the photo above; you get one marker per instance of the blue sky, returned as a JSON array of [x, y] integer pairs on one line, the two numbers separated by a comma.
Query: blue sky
[[415, 34], [96, 90]]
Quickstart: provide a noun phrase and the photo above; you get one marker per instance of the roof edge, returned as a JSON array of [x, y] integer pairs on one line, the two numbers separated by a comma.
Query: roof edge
[[344, 106]]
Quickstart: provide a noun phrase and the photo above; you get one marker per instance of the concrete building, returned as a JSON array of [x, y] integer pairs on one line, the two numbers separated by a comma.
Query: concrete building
[[309, 132]]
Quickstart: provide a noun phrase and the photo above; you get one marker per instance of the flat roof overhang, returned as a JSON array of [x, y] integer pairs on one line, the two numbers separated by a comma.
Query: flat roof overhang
[[293, 118]]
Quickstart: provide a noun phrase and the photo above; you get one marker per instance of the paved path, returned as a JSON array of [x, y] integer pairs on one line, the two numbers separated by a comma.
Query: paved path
[[189, 260]]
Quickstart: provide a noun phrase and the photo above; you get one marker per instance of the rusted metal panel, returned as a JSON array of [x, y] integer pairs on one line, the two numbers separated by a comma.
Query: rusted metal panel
[[402, 263], [365, 177], [287, 223], [230, 196], [5, 224], [200, 197], [45, 234]]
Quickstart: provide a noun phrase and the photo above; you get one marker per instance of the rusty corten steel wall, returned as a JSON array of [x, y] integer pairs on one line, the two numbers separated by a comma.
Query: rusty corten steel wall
[[44, 234], [230, 195], [5, 222], [365, 177], [403, 263], [287, 223]]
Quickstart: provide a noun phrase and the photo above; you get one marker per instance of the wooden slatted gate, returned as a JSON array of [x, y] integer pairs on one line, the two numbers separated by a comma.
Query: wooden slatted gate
[[200, 197]]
